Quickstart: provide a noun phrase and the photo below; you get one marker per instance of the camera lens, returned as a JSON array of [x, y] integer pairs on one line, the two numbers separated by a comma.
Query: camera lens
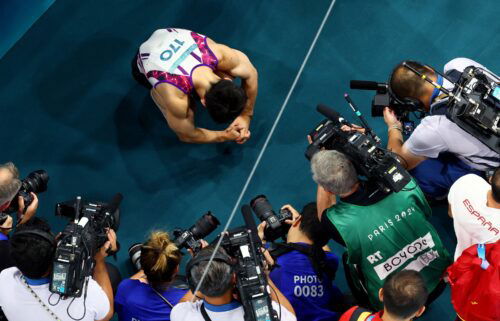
[[36, 181], [204, 226], [135, 255], [262, 208]]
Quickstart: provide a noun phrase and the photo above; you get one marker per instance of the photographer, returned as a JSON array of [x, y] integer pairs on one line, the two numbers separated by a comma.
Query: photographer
[[383, 232], [218, 291], [474, 205], [303, 271], [438, 152], [25, 294], [404, 295], [149, 294], [9, 187]]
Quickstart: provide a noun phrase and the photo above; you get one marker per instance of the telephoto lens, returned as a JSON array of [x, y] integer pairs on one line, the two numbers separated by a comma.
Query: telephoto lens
[[264, 211], [204, 226], [135, 255]]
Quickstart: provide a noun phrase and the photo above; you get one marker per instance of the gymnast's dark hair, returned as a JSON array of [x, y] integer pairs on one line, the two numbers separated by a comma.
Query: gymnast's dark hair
[[316, 232], [225, 101], [495, 185]]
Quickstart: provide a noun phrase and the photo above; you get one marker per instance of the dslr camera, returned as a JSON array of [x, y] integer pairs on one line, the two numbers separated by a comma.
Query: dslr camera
[[35, 182], [80, 240], [190, 238], [276, 226], [370, 160]]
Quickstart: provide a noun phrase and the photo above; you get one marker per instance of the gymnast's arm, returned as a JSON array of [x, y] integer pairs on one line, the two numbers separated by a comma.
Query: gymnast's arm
[[236, 64], [180, 118]]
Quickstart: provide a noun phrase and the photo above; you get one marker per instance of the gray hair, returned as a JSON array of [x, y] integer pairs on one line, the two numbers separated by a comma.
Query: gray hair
[[218, 279], [9, 186], [333, 171]]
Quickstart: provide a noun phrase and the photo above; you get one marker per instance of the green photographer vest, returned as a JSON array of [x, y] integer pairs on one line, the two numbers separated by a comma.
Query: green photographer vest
[[390, 236]]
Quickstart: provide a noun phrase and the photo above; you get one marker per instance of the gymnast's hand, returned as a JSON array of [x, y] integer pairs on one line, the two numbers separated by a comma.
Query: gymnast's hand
[[241, 124]]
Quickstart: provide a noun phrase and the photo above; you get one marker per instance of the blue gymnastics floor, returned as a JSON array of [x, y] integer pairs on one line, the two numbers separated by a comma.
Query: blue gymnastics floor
[[70, 106]]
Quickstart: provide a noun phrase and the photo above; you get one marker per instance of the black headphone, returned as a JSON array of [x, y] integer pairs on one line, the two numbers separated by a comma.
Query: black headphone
[[47, 236], [413, 103], [205, 257]]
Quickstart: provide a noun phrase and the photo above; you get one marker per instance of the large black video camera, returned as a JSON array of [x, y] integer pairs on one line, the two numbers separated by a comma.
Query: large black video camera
[[474, 105], [191, 237], [383, 99], [35, 182], [276, 226], [243, 244], [370, 160], [79, 242]]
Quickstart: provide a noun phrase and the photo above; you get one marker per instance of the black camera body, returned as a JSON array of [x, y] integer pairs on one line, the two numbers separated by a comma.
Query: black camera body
[[276, 226], [35, 182], [191, 237], [80, 240], [370, 160], [243, 245], [382, 99], [475, 105]]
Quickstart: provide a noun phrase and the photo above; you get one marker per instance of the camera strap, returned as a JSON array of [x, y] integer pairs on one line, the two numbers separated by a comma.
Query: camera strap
[[52, 314], [204, 312], [163, 298]]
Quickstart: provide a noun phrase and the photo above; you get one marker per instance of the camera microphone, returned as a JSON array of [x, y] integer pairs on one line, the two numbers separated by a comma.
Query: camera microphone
[[115, 202], [367, 85], [246, 211], [331, 114]]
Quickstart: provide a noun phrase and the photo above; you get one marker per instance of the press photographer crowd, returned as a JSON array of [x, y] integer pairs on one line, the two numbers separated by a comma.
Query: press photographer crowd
[[373, 200]]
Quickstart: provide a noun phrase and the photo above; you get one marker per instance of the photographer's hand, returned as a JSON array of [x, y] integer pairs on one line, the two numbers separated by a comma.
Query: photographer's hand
[[353, 128], [260, 231], [110, 245], [25, 214], [101, 275], [390, 118], [295, 214], [6, 227]]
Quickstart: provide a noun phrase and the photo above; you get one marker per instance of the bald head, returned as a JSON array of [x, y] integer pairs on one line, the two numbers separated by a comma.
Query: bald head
[[406, 83], [9, 182]]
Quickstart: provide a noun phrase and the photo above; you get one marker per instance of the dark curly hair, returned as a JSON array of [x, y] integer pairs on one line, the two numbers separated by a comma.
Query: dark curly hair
[[225, 101]]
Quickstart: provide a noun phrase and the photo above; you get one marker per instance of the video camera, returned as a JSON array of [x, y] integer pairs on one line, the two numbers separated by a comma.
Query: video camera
[[243, 244], [191, 237], [276, 226], [243, 248], [370, 160], [81, 239], [383, 99], [35, 182], [474, 104]]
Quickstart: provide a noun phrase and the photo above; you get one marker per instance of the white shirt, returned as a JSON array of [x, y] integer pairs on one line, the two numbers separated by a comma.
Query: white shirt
[[18, 303], [474, 222], [188, 311], [438, 134]]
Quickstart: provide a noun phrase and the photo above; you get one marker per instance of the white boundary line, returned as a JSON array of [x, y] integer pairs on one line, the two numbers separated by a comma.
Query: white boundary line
[[264, 147]]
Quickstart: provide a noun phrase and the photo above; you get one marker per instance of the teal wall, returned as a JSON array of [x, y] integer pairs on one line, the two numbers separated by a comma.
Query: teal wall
[[16, 17]]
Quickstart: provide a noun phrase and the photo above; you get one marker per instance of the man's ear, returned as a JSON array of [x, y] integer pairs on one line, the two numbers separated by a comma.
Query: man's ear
[[381, 295], [420, 311]]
